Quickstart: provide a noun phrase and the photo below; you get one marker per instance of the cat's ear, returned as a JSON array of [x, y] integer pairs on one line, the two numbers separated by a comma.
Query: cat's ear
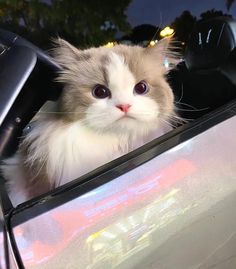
[[167, 52], [64, 53]]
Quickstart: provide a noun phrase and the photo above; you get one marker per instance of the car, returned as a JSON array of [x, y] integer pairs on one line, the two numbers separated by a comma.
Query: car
[[168, 204]]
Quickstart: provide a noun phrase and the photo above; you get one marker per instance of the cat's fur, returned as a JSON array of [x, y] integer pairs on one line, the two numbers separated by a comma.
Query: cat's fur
[[85, 132]]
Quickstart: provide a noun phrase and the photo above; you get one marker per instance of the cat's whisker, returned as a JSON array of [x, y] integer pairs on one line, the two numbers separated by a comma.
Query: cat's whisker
[[182, 94], [168, 123], [193, 110], [176, 119], [190, 106], [61, 112], [94, 118], [185, 104], [179, 118]]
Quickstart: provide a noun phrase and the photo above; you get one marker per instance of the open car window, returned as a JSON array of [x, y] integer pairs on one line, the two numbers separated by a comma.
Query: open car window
[[172, 203]]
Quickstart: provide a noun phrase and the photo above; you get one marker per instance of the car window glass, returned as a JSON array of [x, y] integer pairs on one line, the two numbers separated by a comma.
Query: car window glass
[[174, 203]]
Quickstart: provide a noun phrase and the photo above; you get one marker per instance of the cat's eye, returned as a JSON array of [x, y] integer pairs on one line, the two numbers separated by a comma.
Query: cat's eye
[[101, 92], [141, 88]]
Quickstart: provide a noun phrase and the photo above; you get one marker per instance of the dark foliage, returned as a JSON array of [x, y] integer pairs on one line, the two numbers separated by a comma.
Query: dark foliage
[[84, 22]]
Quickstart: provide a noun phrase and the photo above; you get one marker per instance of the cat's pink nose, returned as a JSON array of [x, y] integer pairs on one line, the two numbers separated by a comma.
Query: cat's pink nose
[[124, 108]]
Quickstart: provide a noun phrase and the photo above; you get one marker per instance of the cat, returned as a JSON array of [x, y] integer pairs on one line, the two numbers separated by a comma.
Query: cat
[[114, 100]]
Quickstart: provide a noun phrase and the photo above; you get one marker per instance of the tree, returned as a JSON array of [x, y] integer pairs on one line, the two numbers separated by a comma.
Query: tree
[[183, 26], [84, 22], [143, 32], [209, 14]]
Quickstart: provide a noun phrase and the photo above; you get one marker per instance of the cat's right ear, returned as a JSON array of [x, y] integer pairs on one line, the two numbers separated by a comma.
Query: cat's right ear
[[167, 51], [64, 53]]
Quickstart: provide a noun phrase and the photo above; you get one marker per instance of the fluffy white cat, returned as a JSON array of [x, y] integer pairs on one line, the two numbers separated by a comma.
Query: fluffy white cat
[[114, 100]]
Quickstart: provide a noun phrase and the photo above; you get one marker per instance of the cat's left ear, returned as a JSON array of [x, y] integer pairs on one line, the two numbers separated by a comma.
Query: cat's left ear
[[65, 53], [166, 51]]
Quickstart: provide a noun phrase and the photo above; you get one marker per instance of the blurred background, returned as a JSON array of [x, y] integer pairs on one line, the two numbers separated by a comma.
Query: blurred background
[[87, 23]]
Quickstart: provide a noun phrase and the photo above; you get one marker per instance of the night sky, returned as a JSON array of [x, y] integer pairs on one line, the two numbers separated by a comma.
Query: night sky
[[163, 12]]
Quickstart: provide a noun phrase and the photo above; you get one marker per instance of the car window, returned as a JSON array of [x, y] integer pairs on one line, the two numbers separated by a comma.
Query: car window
[[2, 252], [176, 202]]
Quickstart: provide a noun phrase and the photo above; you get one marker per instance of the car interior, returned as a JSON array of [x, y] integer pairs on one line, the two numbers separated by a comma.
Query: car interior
[[202, 82]]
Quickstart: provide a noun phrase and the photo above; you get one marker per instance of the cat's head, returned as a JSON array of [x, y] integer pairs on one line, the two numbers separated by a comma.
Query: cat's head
[[119, 89]]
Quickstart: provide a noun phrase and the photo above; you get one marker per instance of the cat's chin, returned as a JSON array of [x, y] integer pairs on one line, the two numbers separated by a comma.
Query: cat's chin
[[130, 125], [124, 125]]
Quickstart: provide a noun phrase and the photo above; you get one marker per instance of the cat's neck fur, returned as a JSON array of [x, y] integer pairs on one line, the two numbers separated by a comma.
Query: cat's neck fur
[[73, 149]]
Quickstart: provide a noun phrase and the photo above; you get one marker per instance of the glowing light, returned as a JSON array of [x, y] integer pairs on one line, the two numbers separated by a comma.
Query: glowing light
[[152, 43], [131, 221], [167, 31], [146, 214], [172, 192], [108, 235], [93, 236], [110, 44], [122, 227], [166, 63]]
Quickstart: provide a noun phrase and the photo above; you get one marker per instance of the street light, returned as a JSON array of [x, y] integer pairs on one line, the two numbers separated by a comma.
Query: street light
[[152, 43], [110, 44], [167, 31]]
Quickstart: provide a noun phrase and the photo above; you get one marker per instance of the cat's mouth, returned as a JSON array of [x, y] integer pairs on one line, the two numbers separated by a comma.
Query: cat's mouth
[[126, 116]]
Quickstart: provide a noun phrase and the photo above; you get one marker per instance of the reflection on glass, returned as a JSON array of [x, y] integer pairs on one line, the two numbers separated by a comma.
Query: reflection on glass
[[2, 253], [132, 233], [127, 222]]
